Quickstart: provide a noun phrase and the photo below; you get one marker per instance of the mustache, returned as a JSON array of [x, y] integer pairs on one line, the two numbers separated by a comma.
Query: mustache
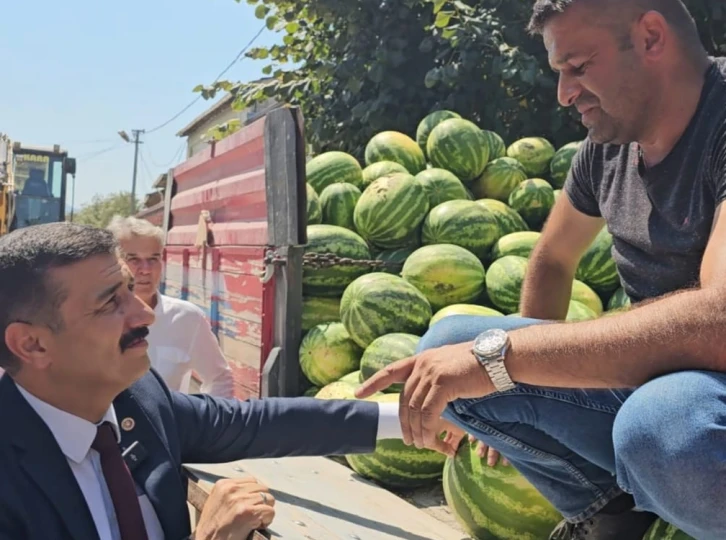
[[133, 335]]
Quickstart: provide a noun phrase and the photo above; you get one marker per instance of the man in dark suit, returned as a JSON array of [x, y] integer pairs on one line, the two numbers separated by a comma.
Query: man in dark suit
[[78, 392]]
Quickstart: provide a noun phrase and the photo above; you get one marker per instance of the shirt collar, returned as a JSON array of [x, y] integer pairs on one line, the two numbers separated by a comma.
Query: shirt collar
[[74, 435]]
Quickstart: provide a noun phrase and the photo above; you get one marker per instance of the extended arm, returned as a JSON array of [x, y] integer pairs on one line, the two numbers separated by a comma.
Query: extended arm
[[552, 265], [681, 331], [218, 430]]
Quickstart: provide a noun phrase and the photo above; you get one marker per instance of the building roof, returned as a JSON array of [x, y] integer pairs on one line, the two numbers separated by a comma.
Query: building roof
[[213, 111]]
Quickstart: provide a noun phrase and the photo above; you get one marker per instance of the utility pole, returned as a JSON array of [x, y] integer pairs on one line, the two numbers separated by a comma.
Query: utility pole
[[137, 134]]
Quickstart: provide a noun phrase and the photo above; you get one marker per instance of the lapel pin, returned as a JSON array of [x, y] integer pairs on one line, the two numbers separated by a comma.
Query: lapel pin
[[127, 424]]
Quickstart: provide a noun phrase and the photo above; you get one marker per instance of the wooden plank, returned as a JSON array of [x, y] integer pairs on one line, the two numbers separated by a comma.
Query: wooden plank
[[319, 499]]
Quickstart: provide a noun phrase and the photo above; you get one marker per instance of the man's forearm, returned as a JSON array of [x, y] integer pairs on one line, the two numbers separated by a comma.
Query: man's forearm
[[680, 332], [546, 290]]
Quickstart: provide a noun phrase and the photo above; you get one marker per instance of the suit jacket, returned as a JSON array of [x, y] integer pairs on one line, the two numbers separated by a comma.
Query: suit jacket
[[40, 498]]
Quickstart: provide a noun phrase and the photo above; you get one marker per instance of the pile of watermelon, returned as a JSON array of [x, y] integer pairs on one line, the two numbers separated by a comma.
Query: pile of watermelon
[[433, 224]]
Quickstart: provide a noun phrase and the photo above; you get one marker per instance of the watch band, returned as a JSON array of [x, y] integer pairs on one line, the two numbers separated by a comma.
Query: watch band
[[499, 375]]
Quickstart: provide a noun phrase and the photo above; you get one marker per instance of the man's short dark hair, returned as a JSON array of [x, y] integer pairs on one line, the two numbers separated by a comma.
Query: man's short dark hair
[[623, 11], [26, 257]]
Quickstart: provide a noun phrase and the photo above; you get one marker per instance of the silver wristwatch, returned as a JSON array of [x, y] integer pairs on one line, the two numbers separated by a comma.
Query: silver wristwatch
[[490, 348]]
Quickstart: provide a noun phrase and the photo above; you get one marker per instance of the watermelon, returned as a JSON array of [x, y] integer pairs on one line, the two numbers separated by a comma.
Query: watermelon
[[341, 242], [533, 199], [354, 378], [333, 167], [577, 311], [497, 148], [397, 147], [338, 202], [459, 146], [311, 392], [557, 193], [561, 163], [618, 300], [394, 258], [390, 209], [534, 153], [337, 390], [585, 295], [499, 179], [597, 267], [446, 274], [442, 186], [495, 503], [386, 350], [327, 352], [378, 303], [314, 209], [518, 243], [661, 530], [509, 220], [393, 464], [318, 310], [462, 223], [429, 123], [504, 281], [464, 309], [381, 168]]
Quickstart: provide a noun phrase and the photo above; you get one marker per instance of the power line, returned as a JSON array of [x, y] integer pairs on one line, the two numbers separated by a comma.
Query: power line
[[232, 63], [91, 155]]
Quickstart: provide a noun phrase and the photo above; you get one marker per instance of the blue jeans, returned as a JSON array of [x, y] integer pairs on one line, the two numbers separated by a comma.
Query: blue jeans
[[664, 442]]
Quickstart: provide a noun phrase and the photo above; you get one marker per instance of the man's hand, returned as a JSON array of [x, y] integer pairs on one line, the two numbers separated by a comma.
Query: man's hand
[[488, 453], [235, 508], [432, 379]]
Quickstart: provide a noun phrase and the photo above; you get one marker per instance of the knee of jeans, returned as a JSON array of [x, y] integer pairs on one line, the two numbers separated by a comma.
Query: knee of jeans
[[669, 420], [454, 329]]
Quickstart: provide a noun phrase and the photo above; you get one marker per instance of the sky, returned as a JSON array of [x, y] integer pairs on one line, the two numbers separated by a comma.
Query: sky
[[76, 72]]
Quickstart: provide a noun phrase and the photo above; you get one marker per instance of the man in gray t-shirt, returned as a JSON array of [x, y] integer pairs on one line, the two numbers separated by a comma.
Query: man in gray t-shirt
[[622, 419]]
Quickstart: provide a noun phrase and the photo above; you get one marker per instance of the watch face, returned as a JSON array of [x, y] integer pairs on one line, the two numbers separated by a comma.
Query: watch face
[[490, 342]]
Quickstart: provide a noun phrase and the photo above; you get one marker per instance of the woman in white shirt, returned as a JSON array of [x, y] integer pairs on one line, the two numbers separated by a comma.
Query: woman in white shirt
[[181, 339]]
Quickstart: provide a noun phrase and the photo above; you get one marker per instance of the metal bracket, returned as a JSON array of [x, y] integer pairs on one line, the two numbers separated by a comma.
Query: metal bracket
[[272, 258]]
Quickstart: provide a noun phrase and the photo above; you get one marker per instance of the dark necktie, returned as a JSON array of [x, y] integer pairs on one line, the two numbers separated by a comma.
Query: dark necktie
[[120, 484]]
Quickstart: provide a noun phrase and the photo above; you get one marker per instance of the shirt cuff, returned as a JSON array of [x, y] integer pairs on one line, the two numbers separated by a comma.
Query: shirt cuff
[[389, 425]]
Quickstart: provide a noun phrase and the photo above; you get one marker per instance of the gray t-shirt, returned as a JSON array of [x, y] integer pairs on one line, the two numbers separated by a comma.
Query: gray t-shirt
[[660, 217]]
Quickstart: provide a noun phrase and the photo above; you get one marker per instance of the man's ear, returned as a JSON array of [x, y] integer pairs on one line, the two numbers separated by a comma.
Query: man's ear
[[27, 343]]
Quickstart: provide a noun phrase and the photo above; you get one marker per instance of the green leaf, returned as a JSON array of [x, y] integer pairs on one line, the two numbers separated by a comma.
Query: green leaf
[[267, 69], [292, 27], [261, 11], [438, 4], [443, 18], [271, 22]]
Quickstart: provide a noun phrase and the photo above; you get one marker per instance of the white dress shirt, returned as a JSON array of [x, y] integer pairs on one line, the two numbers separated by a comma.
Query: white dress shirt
[[75, 437], [181, 340]]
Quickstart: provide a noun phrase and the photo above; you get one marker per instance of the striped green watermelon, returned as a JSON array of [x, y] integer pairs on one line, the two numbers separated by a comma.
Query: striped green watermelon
[[318, 310], [446, 274], [338, 202], [518, 243], [327, 352], [661, 530], [499, 179], [459, 146], [534, 153], [331, 168], [497, 148], [380, 168], [429, 122], [394, 258], [397, 147], [495, 503], [386, 350], [597, 267], [314, 209], [340, 389], [390, 209], [462, 223], [341, 242], [561, 163], [618, 300], [378, 303], [504, 281], [577, 311], [464, 309], [533, 199], [393, 464], [509, 220], [442, 186], [584, 294], [354, 378]]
